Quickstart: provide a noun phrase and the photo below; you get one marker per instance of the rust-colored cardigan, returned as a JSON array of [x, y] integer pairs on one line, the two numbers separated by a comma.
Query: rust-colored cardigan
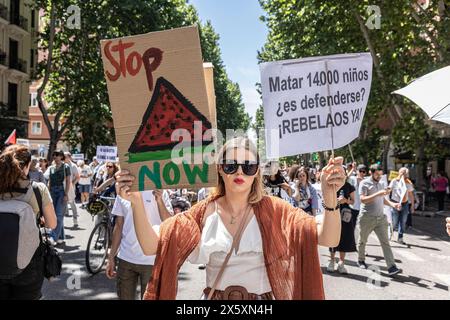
[[290, 243]]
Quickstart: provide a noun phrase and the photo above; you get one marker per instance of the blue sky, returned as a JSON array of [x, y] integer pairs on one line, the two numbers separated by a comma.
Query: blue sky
[[242, 34]]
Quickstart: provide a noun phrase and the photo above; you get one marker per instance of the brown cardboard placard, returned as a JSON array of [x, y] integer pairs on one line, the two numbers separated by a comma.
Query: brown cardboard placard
[[208, 69], [156, 85]]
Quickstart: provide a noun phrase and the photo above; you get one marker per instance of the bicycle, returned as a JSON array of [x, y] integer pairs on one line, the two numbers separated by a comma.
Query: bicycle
[[100, 239]]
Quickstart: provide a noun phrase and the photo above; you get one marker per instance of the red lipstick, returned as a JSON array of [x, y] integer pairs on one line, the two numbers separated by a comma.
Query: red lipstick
[[239, 181]]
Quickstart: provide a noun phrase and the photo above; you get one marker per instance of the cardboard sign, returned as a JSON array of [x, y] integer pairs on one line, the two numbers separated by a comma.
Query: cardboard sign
[[314, 104], [107, 153], [157, 91], [393, 175]]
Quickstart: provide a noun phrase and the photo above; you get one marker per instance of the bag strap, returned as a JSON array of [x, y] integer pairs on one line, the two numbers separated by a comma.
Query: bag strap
[[234, 246], [37, 194]]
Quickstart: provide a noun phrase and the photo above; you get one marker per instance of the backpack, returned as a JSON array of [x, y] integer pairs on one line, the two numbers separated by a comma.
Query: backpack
[[19, 233]]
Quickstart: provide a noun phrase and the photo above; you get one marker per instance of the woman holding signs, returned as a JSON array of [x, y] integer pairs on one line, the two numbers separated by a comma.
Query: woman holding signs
[[255, 247]]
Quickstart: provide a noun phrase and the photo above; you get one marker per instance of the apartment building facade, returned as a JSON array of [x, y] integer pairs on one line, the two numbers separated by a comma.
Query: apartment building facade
[[18, 58]]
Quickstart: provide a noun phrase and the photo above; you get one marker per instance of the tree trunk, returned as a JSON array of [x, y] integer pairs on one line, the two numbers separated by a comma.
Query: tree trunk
[[52, 145], [421, 168], [385, 155], [321, 159]]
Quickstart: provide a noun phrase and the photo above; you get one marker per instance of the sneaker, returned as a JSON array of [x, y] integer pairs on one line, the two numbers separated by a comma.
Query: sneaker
[[330, 267], [202, 266], [75, 223], [59, 242], [52, 242], [362, 265], [341, 268], [400, 241], [394, 270]]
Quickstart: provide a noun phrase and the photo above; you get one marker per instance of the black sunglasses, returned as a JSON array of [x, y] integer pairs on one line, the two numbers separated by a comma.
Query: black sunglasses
[[362, 171], [249, 168]]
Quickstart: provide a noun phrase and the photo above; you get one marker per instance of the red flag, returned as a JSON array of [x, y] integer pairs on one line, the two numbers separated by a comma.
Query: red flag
[[12, 138]]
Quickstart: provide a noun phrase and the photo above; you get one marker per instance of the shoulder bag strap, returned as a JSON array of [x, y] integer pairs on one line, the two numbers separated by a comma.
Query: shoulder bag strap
[[235, 246], [37, 194]]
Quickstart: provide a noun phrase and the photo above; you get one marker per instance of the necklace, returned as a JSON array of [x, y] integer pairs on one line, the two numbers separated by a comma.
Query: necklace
[[233, 215]]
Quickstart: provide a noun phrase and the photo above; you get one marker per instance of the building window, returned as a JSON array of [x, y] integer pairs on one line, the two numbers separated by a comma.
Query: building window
[[32, 58], [33, 21], [33, 99], [36, 127]]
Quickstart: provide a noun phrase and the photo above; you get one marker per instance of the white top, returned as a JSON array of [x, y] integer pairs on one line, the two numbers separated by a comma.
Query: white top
[[129, 249], [85, 171], [246, 268], [353, 180]]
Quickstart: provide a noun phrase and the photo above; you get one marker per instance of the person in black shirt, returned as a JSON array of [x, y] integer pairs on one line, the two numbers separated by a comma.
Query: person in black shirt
[[346, 197]]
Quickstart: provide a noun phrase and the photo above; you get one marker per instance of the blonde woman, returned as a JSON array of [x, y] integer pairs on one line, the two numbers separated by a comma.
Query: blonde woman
[[275, 252]]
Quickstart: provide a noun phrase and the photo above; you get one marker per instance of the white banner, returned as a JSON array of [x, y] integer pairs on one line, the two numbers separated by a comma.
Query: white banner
[[78, 156], [298, 95], [107, 153]]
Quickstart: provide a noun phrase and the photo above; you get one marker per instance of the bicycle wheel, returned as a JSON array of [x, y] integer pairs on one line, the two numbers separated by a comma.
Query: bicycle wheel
[[97, 248]]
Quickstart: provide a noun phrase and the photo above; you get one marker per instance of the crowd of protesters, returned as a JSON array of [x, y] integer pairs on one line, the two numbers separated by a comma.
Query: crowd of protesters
[[363, 202]]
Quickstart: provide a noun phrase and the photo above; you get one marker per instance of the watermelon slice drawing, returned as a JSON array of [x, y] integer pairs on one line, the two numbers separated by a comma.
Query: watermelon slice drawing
[[167, 111]]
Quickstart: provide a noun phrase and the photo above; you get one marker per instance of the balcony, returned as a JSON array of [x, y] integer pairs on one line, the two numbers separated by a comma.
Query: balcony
[[18, 64], [3, 59], [8, 111], [4, 13], [20, 21]]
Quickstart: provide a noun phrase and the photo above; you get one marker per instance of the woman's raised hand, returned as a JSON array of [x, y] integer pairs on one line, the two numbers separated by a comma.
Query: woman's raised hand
[[124, 182], [332, 179]]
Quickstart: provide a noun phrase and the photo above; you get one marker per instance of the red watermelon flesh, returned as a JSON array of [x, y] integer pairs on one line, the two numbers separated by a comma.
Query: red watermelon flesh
[[168, 110]]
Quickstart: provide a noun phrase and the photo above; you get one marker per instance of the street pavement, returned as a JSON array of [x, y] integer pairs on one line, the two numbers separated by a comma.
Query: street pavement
[[425, 261]]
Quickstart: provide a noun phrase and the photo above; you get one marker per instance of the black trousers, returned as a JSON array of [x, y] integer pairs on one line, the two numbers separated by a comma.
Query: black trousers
[[440, 197], [27, 285]]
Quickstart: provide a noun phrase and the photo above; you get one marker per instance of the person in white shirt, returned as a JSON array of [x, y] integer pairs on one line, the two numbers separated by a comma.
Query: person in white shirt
[[133, 265], [84, 184]]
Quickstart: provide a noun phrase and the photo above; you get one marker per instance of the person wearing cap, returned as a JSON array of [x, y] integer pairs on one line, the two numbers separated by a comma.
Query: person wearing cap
[[372, 218], [58, 176], [74, 178]]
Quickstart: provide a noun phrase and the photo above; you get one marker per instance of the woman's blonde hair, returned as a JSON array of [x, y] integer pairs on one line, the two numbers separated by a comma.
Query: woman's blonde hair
[[257, 192]]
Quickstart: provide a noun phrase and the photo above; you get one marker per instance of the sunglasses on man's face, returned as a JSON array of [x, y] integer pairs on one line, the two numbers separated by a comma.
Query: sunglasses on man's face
[[56, 155], [249, 168], [362, 171]]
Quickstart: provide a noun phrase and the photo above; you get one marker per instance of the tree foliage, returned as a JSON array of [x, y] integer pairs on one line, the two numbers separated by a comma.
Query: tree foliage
[[76, 87], [410, 43]]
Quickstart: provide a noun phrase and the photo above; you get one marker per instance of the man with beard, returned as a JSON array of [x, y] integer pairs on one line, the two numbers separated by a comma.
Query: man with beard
[[372, 218]]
